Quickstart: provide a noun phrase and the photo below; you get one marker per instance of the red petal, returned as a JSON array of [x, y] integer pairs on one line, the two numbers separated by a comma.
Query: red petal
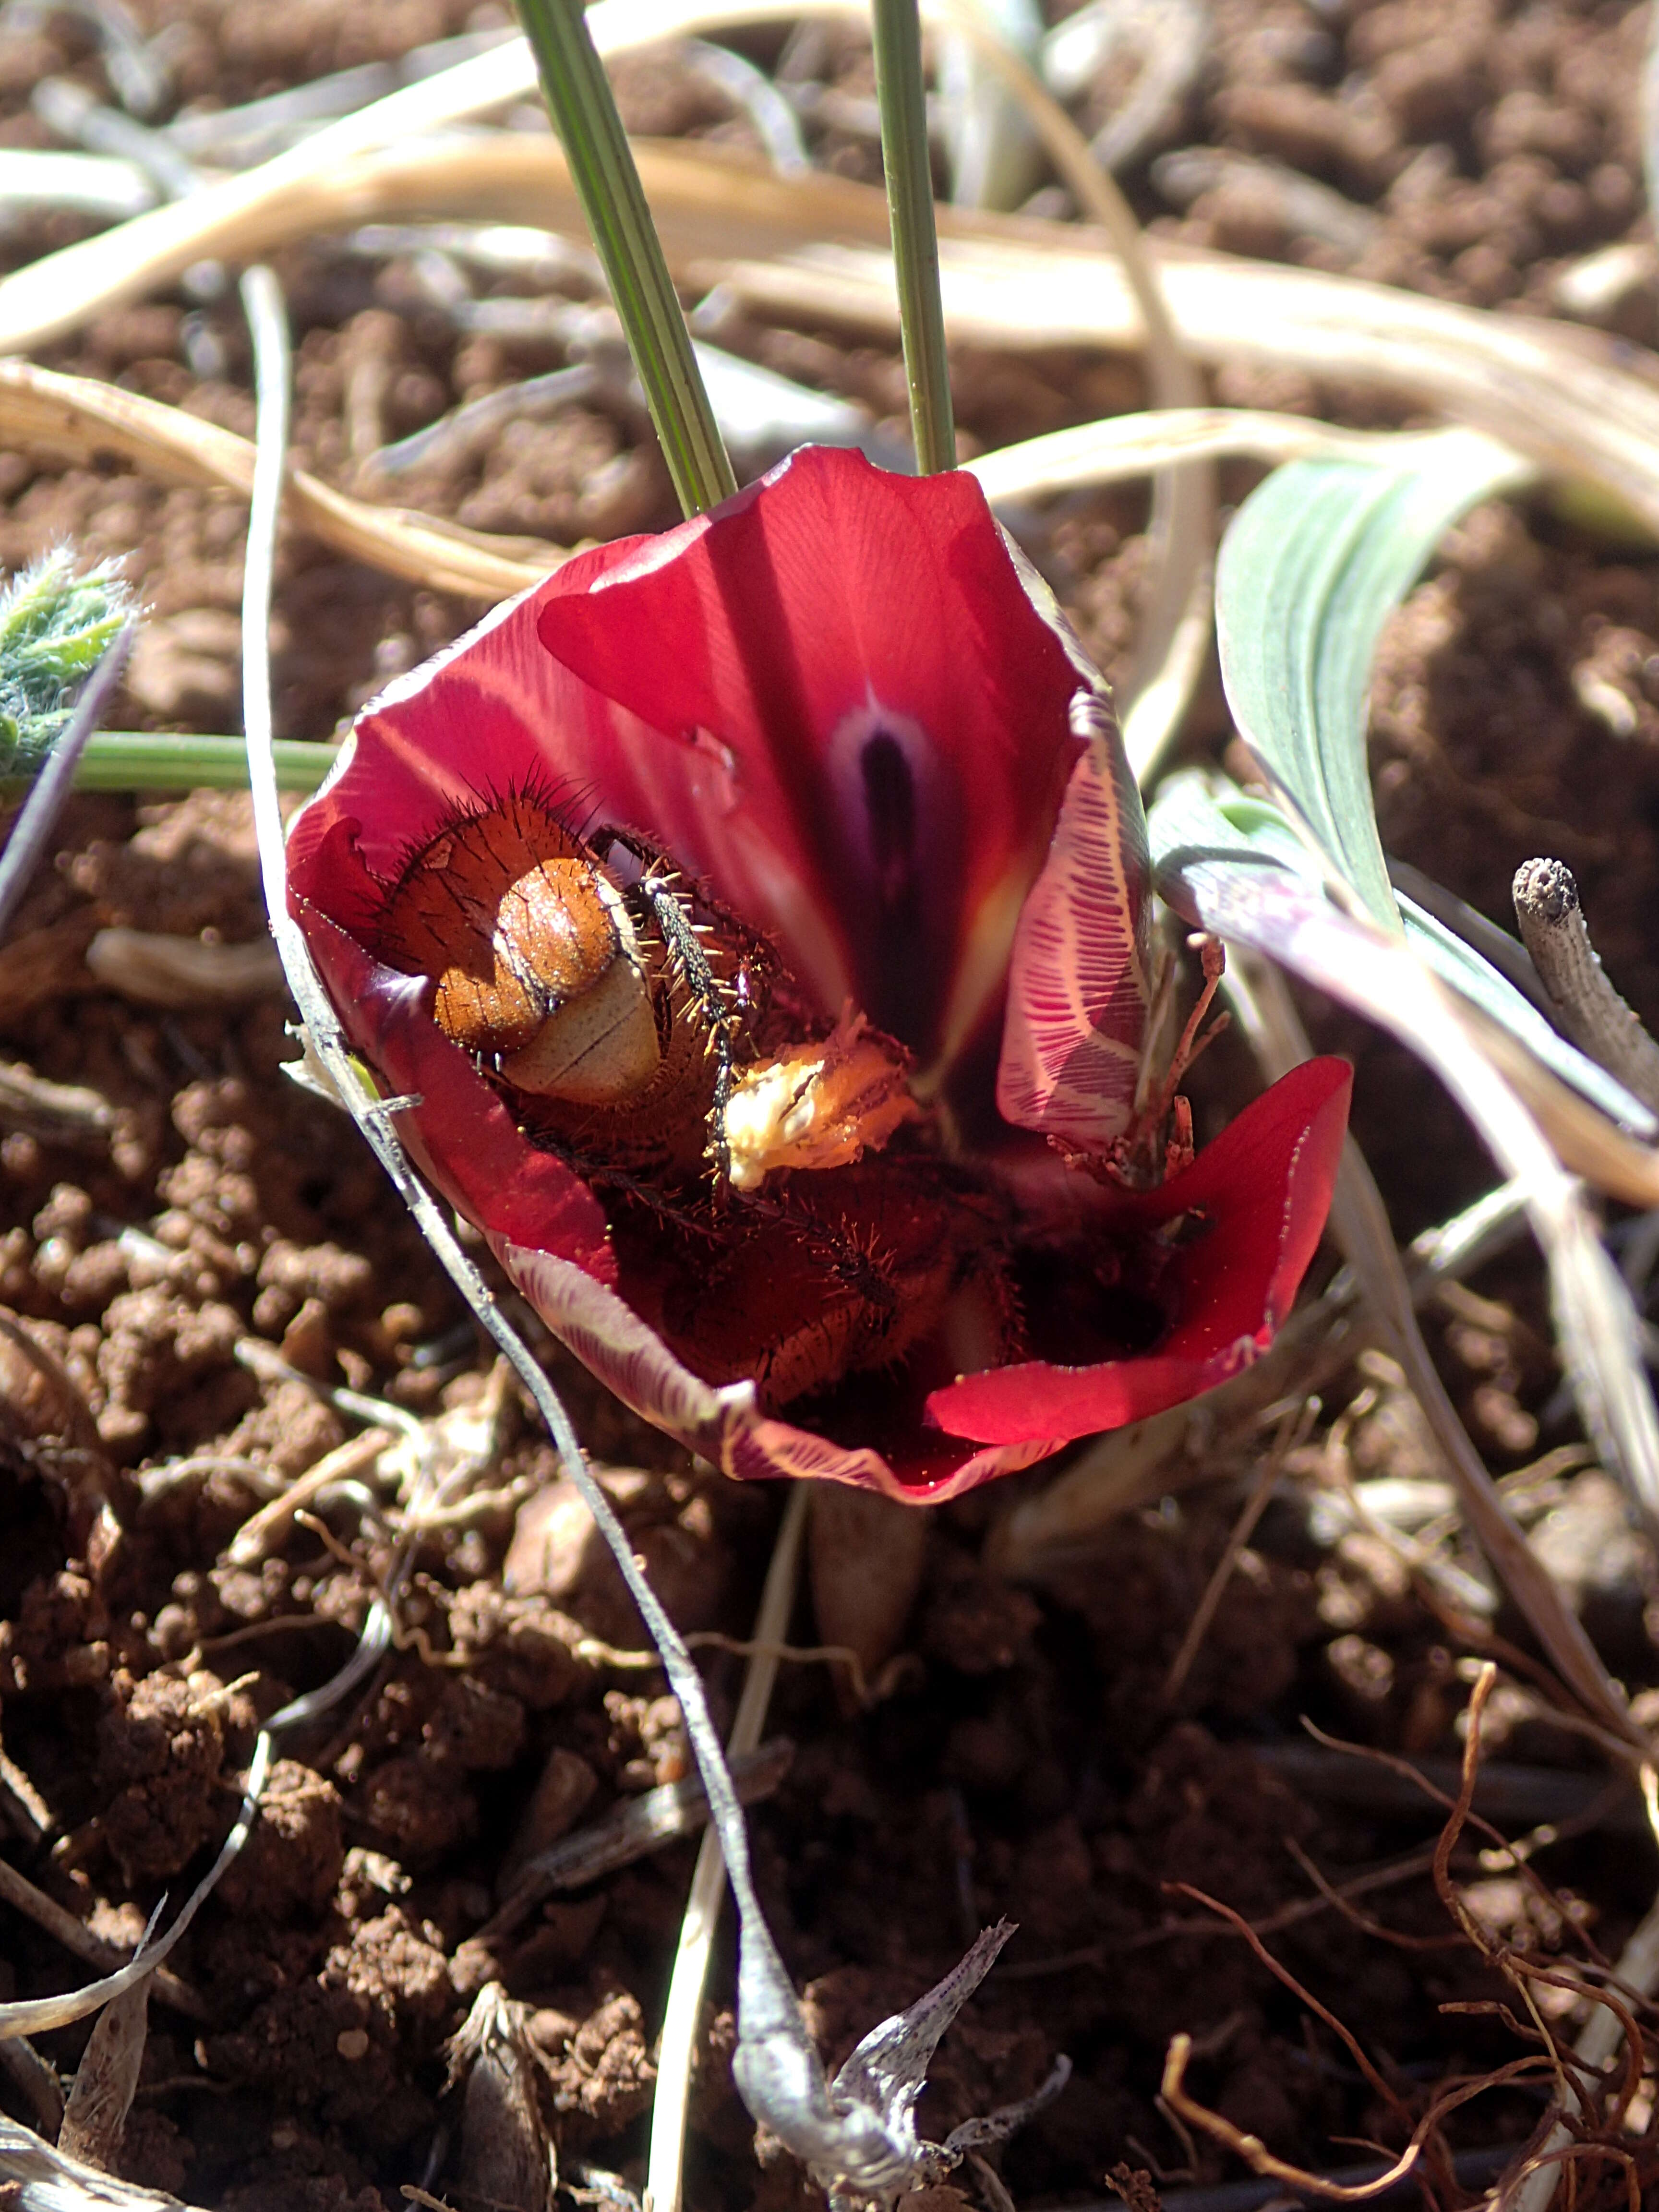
[[725, 1425], [895, 713], [1266, 1183]]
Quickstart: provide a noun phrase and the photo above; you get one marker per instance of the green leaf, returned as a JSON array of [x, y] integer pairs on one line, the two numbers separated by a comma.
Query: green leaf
[[900, 94], [1203, 833], [1314, 563], [584, 113]]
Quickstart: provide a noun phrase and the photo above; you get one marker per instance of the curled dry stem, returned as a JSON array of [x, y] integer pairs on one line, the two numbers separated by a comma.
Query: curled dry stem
[[1256, 2154], [78, 418], [1349, 2041]]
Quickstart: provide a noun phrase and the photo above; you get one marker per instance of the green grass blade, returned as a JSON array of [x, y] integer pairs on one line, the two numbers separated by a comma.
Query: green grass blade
[[1316, 560], [900, 94], [584, 113], [132, 760]]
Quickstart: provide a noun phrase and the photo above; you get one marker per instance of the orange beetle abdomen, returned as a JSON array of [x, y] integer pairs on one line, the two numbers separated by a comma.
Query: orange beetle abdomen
[[533, 953]]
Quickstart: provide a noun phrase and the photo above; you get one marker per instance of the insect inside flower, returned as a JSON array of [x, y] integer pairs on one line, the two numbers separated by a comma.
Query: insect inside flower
[[646, 1036], [625, 1013]]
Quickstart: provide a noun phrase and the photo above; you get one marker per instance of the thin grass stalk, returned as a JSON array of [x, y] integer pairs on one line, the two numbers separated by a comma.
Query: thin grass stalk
[[584, 113], [1122, 447], [784, 2076], [906, 163], [133, 760], [676, 2049], [79, 418]]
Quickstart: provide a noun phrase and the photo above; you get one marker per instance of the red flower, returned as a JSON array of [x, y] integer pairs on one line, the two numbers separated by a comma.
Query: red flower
[[745, 908]]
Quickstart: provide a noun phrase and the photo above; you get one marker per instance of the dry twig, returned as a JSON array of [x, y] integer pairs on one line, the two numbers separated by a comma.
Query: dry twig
[[77, 418], [1587, 1006]]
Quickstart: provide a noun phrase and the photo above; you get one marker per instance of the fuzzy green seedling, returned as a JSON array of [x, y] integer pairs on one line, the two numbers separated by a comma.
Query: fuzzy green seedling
[[55, 627]]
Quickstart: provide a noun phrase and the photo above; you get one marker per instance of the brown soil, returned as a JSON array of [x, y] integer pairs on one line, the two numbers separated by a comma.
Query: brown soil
[[1026, 1756]]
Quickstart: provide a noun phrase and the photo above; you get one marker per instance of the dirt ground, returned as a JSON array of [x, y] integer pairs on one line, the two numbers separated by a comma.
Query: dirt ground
[[205, 1254]]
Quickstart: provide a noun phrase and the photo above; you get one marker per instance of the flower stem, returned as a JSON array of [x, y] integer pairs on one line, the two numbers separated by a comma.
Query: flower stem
[[584, 113], [902, 96], [132, 760]]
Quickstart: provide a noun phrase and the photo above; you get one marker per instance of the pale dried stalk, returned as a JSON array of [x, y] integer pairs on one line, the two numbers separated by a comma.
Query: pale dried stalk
[[1259, 995], [77, 418], [40, 2179], [633, 1830], [1584, 1138], [156, 968], [1558, 394], [1124, 447], [34, 2016], [270, 1526], [21, 1893], [676, 2049]]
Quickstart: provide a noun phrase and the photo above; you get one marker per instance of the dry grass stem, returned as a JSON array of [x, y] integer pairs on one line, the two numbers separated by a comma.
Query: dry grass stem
[[1584, 1140], [156, 969], [1298, 1419], [268, 1529], [1124, 447], [78, 419], [21, 1893], [1361, 1228], [631, 1831], [38, 2178], [682, 2016], [34, 2016], [803, 246]]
